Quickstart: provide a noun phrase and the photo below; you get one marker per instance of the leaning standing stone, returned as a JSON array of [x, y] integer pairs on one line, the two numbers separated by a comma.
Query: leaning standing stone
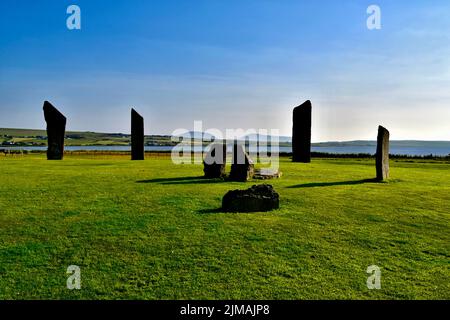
[[301, 133], [382, 155], [56, 129], [137, 136], [215, 161], [242, 167]]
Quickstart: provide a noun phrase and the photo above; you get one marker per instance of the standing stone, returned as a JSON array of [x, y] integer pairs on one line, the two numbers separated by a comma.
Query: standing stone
[[382, 156], [301, 133], [56, 129], [242, 167], [137, 136], [215, 161]]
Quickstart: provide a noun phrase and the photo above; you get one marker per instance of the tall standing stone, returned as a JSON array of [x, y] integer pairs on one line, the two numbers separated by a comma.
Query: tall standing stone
[[215, 161], [56, 130], [137, 136], [301, 133], [242, 167], [382, 155]]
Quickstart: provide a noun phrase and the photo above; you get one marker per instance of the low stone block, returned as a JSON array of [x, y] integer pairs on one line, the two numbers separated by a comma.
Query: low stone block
[[266, 174], [259, 198]]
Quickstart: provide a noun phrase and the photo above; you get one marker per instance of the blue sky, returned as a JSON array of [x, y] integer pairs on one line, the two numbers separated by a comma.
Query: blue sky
[[230, 63]]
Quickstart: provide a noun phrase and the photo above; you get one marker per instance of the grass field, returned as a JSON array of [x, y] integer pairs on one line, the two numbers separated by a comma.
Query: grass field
[[152, 230]]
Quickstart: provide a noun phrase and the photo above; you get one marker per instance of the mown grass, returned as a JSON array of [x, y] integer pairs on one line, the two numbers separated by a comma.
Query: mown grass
[[152, 230]]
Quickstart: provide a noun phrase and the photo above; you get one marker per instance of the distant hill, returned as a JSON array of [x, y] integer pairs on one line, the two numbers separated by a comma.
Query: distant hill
[[31, 137], [196, 135], [393, 143], [260, 137]]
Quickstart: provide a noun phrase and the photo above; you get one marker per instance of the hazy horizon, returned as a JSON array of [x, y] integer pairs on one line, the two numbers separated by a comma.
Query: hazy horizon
[[289, 136], [233, 64]]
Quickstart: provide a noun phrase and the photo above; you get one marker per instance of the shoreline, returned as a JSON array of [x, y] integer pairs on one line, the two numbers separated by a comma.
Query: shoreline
[[317, 155]]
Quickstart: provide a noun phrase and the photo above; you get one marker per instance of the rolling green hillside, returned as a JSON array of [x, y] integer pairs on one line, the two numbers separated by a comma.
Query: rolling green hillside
[[30, 137], [27, 137]]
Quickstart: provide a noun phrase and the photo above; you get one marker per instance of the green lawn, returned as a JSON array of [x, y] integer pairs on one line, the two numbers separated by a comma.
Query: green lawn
[[151, 230]]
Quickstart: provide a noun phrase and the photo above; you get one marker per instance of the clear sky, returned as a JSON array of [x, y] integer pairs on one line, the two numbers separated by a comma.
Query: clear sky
[[230, 63]]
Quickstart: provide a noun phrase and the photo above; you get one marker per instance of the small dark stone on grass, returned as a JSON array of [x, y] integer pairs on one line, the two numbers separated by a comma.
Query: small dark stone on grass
[[259, 198]]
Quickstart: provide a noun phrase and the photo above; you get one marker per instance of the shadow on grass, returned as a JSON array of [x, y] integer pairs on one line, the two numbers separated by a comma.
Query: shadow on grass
[[338, 183], [210, 211], [182, 180]]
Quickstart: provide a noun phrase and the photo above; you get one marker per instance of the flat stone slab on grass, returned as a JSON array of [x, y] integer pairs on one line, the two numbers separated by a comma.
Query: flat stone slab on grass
[[266, 174], [259, 198]]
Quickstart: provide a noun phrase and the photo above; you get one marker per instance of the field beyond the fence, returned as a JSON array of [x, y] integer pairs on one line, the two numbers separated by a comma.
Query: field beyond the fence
[[154, 230]]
